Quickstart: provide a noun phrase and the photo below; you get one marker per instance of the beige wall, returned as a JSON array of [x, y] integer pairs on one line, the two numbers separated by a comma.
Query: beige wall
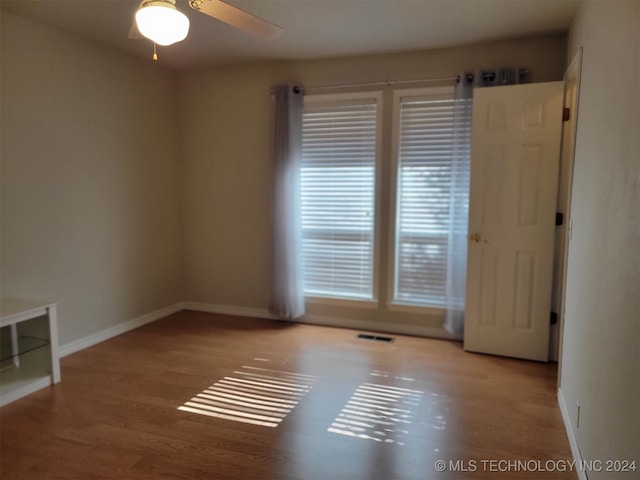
[[601, 362], [90, 199], [227, 155]]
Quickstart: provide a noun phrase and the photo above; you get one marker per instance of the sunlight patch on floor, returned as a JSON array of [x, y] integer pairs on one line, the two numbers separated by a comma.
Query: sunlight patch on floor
[[254, 395], [378, 412], [381, 373]]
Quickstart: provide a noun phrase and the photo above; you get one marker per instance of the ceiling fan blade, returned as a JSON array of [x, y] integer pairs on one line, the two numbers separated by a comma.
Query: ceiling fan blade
[[237, 17], [134, 32]]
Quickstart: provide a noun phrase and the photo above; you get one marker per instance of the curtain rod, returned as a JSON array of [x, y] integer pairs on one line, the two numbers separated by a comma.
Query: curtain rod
[[385, 83], [486, 75]]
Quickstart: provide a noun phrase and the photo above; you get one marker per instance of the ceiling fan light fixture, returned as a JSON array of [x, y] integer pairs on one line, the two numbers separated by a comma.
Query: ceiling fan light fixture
[[161, 22]]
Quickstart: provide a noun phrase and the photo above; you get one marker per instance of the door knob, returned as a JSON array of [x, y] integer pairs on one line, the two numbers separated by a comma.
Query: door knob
[[476, 238]]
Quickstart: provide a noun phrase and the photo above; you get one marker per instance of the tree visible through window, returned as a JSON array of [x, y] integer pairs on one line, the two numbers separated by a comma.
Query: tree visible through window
[[424, 153]]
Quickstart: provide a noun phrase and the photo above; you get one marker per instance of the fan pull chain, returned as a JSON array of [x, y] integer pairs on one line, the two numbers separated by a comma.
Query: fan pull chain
[[155, 53]]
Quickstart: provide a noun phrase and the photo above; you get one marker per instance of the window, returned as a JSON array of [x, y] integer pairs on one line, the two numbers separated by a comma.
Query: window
[[339, 158], [423, 147], [340, 145]]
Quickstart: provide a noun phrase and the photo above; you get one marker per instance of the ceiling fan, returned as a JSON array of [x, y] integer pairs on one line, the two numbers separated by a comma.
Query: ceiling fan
[[161, 22]]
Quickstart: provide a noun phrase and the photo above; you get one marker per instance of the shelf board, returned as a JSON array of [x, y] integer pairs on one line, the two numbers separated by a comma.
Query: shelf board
[[14, 310], [32, 374]]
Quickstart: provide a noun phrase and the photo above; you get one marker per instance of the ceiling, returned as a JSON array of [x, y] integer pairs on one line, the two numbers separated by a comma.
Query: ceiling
[[312, 28]]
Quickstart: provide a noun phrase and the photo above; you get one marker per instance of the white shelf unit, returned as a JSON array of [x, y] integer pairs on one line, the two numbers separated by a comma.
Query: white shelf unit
[[29, 356]]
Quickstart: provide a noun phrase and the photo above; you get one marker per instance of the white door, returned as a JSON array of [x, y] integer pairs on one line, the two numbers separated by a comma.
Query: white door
[[515, 151]]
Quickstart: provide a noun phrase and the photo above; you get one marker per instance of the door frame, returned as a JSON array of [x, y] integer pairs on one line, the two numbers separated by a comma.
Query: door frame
[[567, 162]]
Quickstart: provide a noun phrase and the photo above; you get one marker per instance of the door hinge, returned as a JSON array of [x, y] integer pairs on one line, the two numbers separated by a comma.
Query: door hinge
[[566, 114], [559, 219], [553, 318], [570, 228]]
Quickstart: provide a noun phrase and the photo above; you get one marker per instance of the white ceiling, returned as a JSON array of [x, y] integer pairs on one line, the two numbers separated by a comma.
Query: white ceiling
[[313, 28]]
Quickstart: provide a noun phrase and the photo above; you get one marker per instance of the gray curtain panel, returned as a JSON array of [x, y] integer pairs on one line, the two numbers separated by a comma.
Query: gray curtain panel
[[287, 288], [460, 177]]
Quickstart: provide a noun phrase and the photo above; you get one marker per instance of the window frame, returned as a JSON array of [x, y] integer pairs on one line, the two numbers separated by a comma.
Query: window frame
[[377, 97], [392, 303]]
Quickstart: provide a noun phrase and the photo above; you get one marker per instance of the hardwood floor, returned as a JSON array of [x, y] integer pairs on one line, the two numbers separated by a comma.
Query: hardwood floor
[[199, 396]]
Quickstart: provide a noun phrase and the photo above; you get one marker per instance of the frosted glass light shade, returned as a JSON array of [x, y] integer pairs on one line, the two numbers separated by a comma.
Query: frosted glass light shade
[[161, 22]]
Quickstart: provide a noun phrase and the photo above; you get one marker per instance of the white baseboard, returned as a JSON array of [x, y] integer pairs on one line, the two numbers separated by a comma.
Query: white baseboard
[[384, 327], [228, 310], [323, 320], [116, 330], [356, 324], [573, 441]]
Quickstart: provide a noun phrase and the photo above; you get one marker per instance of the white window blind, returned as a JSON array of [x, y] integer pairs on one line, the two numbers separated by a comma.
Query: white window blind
[[424, 149], [339, 145]]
